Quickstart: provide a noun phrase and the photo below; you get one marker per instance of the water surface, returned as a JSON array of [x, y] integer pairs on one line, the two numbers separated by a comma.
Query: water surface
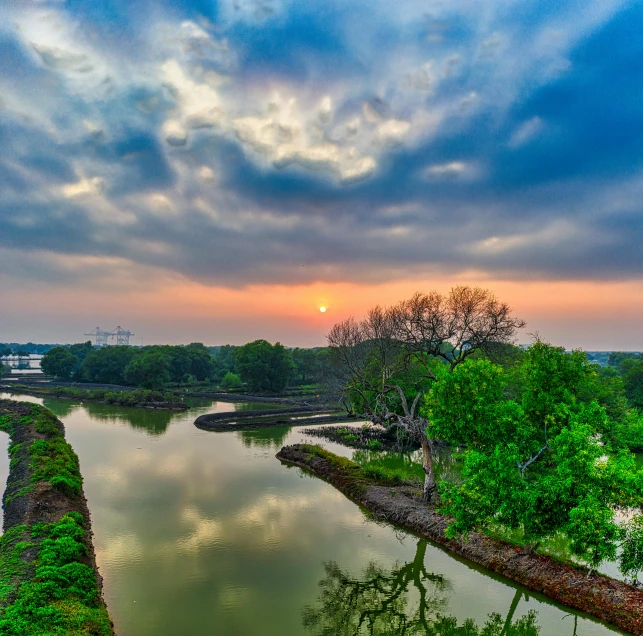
[[205, 533]]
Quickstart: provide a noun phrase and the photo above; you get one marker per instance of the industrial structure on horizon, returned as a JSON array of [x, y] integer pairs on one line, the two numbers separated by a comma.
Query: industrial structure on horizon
[[122, 336]]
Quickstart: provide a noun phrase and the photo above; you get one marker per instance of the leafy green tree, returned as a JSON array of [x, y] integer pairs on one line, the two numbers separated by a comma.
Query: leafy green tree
[[543, 470], [308, 365], [202, 365], [606, 387], [224, 360], [264, 367], [631, 557], [231, 381], [628, 432], [616, 358], [633, 381], [385, 363], [468, 408], [593, 532], [81, 350], [107, 365], [5, 351], [59, 362], [149, 370], [5, 369]]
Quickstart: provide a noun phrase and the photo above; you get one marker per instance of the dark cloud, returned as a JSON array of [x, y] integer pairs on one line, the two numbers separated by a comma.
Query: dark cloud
[[240, 142]]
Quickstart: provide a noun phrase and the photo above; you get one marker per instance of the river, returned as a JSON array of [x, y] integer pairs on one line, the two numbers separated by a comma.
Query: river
[[206, 533]]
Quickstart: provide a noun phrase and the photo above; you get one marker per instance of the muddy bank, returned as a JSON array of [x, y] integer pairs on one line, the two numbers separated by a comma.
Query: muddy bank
[[246, 420], [600, 596], [241, 397], [44, 487], [239, 415]]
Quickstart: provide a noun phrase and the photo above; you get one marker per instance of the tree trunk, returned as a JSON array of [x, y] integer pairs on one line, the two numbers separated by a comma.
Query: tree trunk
[[427, 465], [512, 611]]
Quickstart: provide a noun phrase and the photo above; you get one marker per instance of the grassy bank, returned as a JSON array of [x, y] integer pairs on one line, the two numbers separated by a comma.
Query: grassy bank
[[135, 397], [49, 583], [387, 497]]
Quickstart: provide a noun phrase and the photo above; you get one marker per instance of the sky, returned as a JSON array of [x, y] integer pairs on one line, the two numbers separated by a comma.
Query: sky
[[216, 170]]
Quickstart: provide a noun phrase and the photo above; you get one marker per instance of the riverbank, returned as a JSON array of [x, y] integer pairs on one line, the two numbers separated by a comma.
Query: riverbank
[[143, 398], [600, 596], [247, 420], [241, 397], [49, 582]]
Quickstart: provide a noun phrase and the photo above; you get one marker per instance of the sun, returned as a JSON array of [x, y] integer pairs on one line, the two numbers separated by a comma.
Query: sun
[[322, 309]]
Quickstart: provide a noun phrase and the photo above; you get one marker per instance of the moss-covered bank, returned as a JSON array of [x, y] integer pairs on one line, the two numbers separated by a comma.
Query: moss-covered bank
[[144, 398], [49, 583], [600, 596]]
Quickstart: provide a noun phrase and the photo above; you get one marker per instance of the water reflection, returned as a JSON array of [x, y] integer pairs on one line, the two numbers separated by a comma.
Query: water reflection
[[446, 464], [406, 599], [199, 532], [272, 437]]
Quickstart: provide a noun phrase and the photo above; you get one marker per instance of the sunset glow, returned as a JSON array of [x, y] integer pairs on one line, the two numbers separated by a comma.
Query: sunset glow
[[178, 180]]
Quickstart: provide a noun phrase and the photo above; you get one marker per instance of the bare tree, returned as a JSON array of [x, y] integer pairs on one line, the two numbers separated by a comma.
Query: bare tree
[[386, 362]]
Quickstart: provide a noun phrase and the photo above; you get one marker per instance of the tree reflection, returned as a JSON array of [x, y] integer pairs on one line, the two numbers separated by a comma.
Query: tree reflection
[[60, 408], [406, 600], [268, 437], [153, 421]]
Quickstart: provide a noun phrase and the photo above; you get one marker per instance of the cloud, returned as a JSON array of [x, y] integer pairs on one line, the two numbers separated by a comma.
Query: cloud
[[526, 132], [273, 142]]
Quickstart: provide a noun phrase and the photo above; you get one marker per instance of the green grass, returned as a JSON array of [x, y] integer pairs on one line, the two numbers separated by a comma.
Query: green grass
[[373, 473], [45, 588], [135, 397], [51, 459], [54, 460], [13, 567], [62, 597]]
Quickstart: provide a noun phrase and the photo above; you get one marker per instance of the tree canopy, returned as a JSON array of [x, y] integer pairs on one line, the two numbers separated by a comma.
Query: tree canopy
[[540, 466], [384, 364], [59, 362], [264, 367]]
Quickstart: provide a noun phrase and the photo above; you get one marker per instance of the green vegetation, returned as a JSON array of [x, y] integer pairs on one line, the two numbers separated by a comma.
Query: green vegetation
[[59, 362], [46, 583], [61, 596], [545, 435], [135, 397], [148, 367], [540, 467], [384, 364], [106, 365], [265, 368], [372, 471], [391, 466], [51, 458], [231, 381], [257, 366], [310, 365], [150, 370]]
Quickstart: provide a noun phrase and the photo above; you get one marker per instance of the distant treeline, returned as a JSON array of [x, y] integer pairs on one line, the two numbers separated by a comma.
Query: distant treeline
[[258, 366], [24, 348]]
